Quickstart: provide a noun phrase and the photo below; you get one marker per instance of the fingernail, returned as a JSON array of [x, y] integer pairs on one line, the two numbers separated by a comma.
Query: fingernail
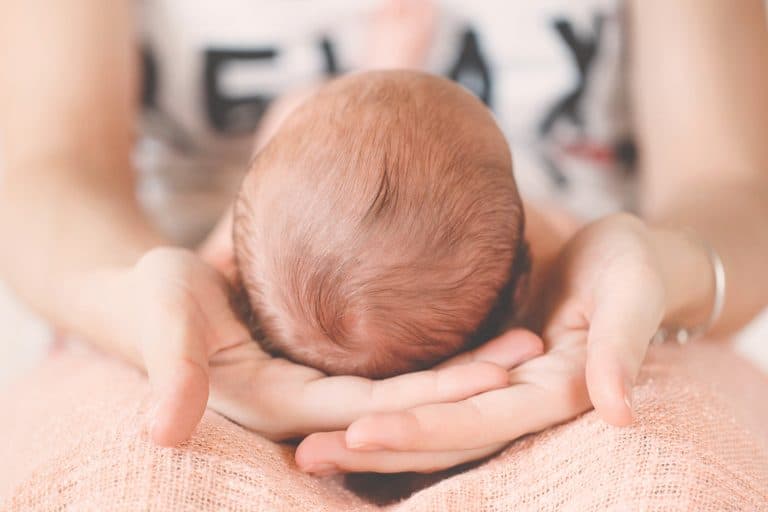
[[364, 447], [322, 469], [149, 423], [151, 418], [151, 426], [628, 385]]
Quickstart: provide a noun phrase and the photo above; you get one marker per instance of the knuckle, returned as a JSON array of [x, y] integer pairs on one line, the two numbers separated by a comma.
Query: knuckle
[[166, 263], [158, 257], [625, 219]]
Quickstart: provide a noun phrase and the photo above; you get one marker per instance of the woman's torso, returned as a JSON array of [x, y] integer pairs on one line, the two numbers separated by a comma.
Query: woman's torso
[[552, 71]]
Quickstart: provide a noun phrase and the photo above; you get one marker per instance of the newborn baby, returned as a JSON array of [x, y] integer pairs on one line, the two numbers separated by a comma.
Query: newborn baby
[[380, 229]]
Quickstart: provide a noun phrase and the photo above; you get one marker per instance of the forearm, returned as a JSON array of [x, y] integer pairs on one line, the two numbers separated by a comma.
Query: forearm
[[732, 218], [701, 115], [60, 230]]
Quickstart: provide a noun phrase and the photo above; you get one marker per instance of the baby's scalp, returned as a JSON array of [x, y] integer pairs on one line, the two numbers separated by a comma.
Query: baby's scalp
[[376, 232]]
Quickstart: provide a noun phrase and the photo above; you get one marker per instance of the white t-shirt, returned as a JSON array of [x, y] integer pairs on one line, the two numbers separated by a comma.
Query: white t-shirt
[[552, 71]]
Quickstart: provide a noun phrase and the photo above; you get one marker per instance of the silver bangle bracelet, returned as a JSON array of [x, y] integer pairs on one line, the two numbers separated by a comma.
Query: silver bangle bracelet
[[684, 334]]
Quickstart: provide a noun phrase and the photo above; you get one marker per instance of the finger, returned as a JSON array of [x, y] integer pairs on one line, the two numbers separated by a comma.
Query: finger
[[326, 453], [180, 403], [625, 317], [176, 360], [483, 420], [507, 350], [176, 336], [332, 403]]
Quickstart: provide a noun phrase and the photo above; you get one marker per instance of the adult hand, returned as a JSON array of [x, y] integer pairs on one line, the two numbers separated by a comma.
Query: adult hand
[[176, 309], [600, 306]]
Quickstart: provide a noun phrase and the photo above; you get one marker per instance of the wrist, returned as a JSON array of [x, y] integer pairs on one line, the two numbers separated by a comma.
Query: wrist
[[97, 306], [687, 273]]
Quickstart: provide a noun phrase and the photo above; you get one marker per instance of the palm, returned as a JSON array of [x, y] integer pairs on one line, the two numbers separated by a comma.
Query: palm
[[604, 284], [280, 399], [595, 311], [243, 380]]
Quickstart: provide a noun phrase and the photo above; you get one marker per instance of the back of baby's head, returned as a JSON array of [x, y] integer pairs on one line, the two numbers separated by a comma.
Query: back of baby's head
[[378, 231]]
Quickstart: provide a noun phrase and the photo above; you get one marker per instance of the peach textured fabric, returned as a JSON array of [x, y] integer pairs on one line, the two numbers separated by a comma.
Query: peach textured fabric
[[71, 439]]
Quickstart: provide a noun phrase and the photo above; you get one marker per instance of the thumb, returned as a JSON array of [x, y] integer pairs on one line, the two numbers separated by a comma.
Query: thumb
[[622, 323], [177, 366]]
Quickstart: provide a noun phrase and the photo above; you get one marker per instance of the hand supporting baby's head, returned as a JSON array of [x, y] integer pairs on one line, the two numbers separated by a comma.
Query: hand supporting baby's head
[[380, 230]]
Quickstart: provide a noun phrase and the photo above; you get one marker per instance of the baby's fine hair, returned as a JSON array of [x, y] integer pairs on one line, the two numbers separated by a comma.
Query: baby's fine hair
[[380, 229]]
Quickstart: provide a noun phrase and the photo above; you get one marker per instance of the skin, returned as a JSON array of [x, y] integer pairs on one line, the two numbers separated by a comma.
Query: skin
[[701, 110], [702, 113], [114, 279]]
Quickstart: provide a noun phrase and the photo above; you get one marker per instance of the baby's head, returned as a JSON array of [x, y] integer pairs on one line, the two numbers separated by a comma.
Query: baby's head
[[380, 230]]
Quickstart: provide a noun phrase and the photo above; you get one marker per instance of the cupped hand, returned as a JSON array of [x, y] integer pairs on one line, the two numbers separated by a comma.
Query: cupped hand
[[598, 308], [282, 400], [190, 341]]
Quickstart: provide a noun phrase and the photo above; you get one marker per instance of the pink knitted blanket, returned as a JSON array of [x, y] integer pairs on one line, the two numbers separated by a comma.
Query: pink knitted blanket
[[70, 439]]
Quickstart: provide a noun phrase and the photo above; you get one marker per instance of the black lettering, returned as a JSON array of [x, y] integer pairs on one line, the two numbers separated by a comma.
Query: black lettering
[[583, 52], [329, 56], [149, 78], [470, 69], [233, 115]]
